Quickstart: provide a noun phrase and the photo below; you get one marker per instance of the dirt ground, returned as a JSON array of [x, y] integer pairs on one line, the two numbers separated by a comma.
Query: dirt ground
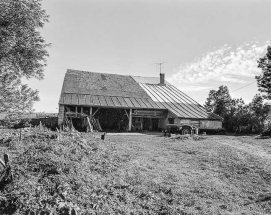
[[215, 175]]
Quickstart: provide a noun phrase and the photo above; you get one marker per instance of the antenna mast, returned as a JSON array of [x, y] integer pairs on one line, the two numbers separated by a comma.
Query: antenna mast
[[160, 65]]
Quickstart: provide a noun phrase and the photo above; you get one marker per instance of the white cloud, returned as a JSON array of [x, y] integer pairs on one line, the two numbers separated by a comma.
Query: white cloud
[[226, 64], [191, 88]]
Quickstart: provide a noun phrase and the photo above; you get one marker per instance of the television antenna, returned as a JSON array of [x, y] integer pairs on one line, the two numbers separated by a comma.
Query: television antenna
[[160, 65]]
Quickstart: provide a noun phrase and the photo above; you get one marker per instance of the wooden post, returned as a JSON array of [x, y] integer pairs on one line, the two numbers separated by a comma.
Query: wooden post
[[141, 123], [61, 112], [130, 120], [90, 111], [89, 124], [76, 111]]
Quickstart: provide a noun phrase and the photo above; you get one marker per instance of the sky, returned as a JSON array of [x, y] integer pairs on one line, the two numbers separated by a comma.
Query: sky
[[205, 43]]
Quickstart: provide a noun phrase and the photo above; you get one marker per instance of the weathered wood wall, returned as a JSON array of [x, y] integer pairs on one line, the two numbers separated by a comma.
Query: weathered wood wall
[[207, 124], [61, 114]]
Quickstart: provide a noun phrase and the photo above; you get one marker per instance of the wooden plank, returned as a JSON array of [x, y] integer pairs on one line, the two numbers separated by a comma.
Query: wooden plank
[[68, 99], [82, 99], [116, 101], [74, 99], [130, 120], [142, 104], [159, 114], [135, 103], [147, 103], [155, 112], [102, 101], [96, 101], [122, 102], [109, 101], [128, 101], [89, 100]]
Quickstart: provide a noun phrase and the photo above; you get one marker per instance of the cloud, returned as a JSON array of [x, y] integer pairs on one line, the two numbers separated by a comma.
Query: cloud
[[226, 64], [191, 88]]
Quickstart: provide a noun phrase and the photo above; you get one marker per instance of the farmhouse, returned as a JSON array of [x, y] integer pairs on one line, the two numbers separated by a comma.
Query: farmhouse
[[124, 103]]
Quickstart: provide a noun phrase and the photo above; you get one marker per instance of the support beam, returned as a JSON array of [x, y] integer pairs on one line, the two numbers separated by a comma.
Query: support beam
[[96, 111], [76, 111], [126, 114], [150, 127], [141, 123], [130, 120], [90, 111]]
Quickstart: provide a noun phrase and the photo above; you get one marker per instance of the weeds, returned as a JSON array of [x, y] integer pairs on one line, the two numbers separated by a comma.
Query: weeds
[[90, 176]]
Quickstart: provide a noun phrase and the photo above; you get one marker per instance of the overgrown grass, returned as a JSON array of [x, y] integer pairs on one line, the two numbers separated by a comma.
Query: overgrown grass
[[134, 175], [206, 176]]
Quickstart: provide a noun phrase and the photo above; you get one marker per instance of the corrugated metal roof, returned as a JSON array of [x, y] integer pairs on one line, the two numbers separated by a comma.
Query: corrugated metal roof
[[174, 100]]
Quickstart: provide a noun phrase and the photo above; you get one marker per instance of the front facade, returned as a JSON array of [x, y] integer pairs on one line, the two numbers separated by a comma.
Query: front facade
[[125, 103]]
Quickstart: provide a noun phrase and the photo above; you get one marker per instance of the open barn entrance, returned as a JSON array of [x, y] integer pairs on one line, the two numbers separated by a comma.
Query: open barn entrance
[[117, 120], [145, 124], [86, 118], [112, 119]]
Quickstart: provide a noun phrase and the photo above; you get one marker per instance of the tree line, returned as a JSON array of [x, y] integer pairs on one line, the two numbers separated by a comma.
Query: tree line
[[241, 117]]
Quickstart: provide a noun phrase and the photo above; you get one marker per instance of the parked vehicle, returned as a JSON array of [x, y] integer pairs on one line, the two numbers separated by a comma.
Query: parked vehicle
[[178, 129]]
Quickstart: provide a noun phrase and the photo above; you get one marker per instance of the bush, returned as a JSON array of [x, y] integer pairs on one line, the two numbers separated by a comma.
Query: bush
[[267, 128], [81, 173]]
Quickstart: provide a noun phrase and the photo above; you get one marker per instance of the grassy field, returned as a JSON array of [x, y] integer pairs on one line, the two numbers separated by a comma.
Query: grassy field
[[215, 175], [137, 174]]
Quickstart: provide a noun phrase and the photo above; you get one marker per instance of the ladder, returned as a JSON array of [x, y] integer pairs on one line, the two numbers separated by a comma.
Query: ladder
[[95, 123]]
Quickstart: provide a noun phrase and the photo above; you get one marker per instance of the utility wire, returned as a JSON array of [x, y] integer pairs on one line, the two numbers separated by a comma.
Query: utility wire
[[235, 89], [243, 86]]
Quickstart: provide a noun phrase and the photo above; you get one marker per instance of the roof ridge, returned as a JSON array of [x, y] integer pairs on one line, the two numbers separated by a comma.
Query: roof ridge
[[75, 70]]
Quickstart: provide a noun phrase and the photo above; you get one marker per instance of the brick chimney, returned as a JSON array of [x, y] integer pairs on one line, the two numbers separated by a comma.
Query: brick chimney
[[162, 78]]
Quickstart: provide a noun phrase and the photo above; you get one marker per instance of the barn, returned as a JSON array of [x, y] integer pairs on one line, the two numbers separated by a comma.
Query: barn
[[127, 103]]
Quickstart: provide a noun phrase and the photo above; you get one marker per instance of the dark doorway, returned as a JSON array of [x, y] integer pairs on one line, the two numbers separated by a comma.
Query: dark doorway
[[112, 119], [170, 120], [155, 124], [150, 124], [78, 124], [146, 124]]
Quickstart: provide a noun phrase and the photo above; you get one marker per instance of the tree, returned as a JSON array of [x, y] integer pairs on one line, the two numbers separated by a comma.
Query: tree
[[17, 98], [239, 114], [219, 102], [264, 80], [22, 52], [259, 111]]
